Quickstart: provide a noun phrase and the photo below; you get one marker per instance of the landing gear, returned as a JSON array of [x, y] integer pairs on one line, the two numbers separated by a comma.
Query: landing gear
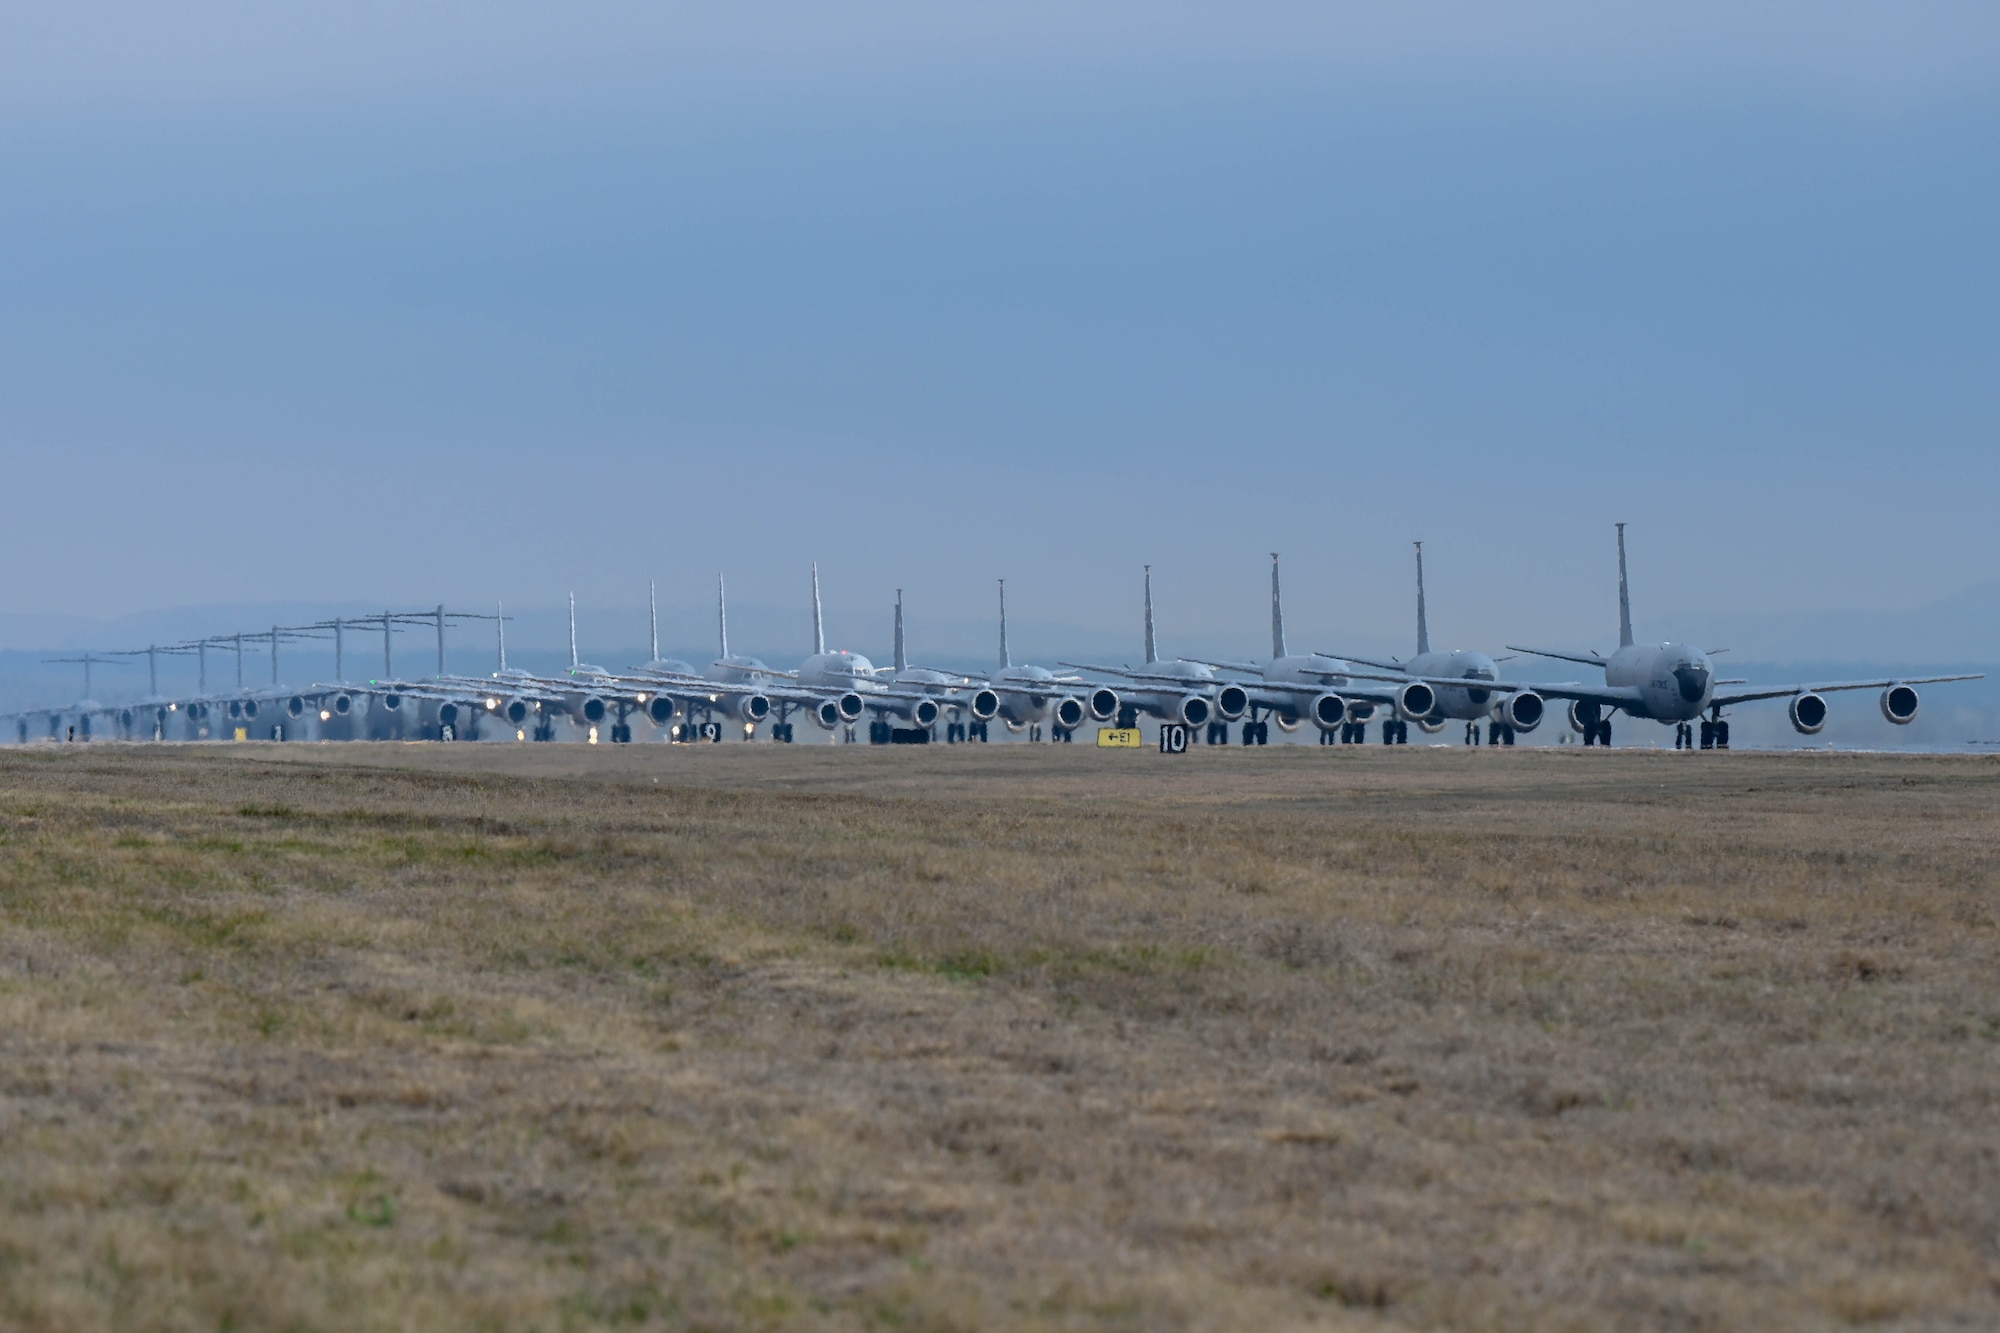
[[1715, 735], [1684, 736], [1355, 733], [1034, 731], [976, 731], [621, 734], [1499, 733], [1061, 735], [1472, 733], [1128, 717], [781, 733], [1396, 732], [1598, 734], [1218, 733], [954, 732], [1256, 733], [878, 733]]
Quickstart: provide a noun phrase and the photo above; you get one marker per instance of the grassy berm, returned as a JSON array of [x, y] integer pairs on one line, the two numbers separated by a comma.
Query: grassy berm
[[443, 1037]]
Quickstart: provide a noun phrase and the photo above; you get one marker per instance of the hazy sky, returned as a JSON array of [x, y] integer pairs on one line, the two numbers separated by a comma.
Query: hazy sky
[[418, 301]]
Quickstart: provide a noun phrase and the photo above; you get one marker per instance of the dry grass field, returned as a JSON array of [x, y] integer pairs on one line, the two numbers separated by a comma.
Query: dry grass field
[[441, 1037]]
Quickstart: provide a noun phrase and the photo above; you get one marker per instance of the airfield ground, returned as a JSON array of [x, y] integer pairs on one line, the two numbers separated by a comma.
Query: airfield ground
[[441, 1037]]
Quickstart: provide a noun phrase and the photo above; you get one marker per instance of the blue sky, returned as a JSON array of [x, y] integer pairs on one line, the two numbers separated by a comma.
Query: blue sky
[[396, 303]]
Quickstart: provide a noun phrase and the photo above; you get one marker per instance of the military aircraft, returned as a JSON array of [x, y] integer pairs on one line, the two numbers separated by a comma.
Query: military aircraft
[[1676, 683], [1507, 712], [1181, 691], [1031, 697], [1294, 688]]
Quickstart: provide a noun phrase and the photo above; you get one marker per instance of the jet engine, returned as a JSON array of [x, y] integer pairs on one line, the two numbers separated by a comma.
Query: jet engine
[[1523, 710], [1360, 713], [661, 709], [1899, 704], [448, 713], [1415, 701], [1808, 713], [340, 705], [985, 705], [827, 714], [1329, 712], [850, 706], [1584, 715], [1288, 722], [250, 708], [590, 710], [1069, 714], [296, 706], [516, 710], [1231, 702], [924, 712], [1430, 726], [1192, 709], [1103, 703], [392, 702], [751, 708]]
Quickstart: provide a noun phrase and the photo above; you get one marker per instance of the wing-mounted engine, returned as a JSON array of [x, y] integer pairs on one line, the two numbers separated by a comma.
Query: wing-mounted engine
[[1104, 703], [1329, 712], [660, 710], [1415, 702], [297, 706], [1069, 714], [1899, 705], [1584, 715], [589, 710], [985, 705], [751, 708], [1430, 726], [1808, 713], [1192, 709], [850, 706], [1231, 702], [924, 712], [827, 714], [1360, 713], [1523, 710]]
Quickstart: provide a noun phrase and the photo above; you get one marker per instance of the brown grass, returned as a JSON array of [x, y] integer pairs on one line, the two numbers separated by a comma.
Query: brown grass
[[356, 1037]]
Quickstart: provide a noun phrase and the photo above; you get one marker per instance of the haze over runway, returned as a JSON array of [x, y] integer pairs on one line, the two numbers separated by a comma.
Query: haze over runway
[[420, 302]]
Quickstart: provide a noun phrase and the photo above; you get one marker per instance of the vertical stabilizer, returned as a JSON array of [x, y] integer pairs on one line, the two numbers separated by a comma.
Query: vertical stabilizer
[[1423, 623], [1152, 651], [902, 662], [721, 618], [1005, 659], [653, 616], [500, 628], [819, 629], [1624, 596], [1277, 613], [572, 632]]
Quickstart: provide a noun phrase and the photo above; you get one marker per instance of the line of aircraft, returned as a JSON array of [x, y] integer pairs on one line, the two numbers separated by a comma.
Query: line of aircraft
[[1339, 694]]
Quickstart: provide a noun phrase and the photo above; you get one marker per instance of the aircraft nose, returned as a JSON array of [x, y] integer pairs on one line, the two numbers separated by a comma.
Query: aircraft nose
[[1693, 680]]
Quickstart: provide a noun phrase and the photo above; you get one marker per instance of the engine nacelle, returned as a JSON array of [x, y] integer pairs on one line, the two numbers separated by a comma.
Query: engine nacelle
[[1523, 710], [1360, 713], [827, 714], [661, 709], [340, 705], [752, 708], [296, 706], [1231, 702], [250, 708], [1415, 701], [1069, 714], [1899, 704], [516, 711], [985, 705], [1808, 714], [1329, 712], [850, 706], [1193, 710], [1584, 715], [1104, 703], [590, 710], [393, 702], [449, 713], [1430, 726], [924, 713]]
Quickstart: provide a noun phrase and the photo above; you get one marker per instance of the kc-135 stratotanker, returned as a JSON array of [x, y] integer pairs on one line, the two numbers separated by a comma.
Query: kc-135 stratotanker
[[1340, 694]]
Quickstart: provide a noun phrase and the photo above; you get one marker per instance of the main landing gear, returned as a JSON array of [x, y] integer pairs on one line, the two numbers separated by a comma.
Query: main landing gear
[[1598, 733], [1351, 733], [1714, 734], [1256, 733], [1218, 733], [1497, 733], [1395, 732]]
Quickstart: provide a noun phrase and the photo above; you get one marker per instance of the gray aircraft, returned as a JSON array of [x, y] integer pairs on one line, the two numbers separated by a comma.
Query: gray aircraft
[[1506, 712], [1178, 691], [1031, 697], [1675, 683]]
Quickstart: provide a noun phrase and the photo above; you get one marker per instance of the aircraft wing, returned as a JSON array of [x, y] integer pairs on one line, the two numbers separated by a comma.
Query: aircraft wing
[[1592, 660], [1250, 667], [1785, 691], [1158, 678], [1380, 666]]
